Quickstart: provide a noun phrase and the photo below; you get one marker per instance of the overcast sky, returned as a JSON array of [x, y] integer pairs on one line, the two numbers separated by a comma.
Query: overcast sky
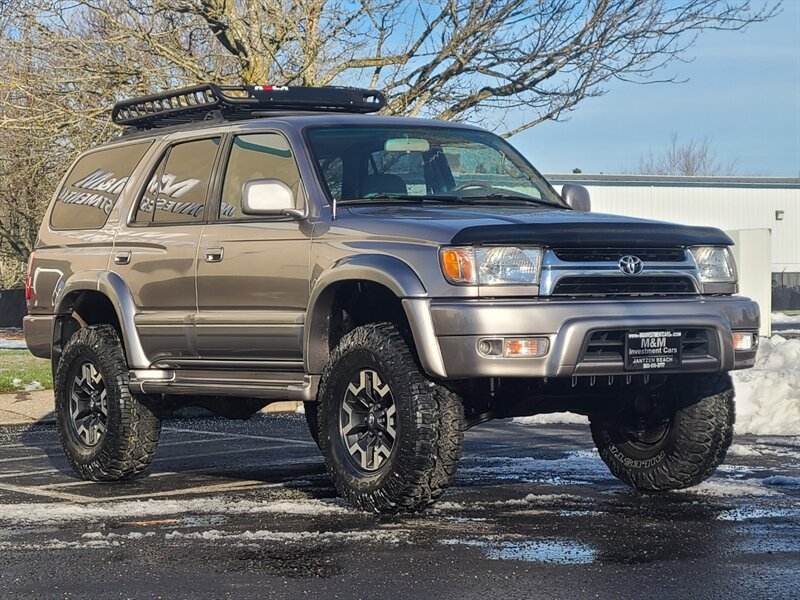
[[743, 94]]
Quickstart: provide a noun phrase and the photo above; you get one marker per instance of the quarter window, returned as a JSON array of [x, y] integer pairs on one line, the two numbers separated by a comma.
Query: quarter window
[[256, 156], [178, 190]]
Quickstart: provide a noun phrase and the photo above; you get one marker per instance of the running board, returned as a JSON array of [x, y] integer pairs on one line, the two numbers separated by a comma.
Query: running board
[[246, 384]]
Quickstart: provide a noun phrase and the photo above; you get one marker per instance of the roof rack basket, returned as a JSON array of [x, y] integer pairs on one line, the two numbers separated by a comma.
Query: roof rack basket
[[211, 101]]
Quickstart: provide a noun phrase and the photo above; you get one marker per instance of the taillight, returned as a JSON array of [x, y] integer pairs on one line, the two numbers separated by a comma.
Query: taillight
[[29, 278]]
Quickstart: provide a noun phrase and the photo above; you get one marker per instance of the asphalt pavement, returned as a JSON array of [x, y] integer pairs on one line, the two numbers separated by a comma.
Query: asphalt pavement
[[245, 510]]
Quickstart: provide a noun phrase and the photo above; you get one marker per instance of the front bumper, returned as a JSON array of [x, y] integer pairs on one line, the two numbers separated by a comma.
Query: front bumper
[[447, 333]]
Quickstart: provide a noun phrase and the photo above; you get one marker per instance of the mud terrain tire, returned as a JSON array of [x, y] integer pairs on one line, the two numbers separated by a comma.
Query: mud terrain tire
[[373, 365], [93, 369], [690, 447]]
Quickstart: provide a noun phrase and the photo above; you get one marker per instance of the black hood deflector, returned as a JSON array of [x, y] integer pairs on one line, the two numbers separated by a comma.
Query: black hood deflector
[[594, 235]]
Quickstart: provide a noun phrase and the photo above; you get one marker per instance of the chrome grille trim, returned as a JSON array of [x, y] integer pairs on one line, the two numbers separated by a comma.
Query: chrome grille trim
[[554, 270]]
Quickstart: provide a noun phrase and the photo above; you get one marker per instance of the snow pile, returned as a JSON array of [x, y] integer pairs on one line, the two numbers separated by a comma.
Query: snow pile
[[12, 344], [215, 535], [56, 512], [553, 419], [768, 395]]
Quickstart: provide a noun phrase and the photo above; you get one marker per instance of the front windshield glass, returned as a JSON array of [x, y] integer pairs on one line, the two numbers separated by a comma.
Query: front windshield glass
[[362, 164]]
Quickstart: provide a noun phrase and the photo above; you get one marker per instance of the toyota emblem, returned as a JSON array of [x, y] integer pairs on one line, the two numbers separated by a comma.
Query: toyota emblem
[[631, 265]]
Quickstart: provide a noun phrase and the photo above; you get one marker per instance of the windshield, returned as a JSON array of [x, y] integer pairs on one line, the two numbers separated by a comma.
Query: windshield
[[362, 164]]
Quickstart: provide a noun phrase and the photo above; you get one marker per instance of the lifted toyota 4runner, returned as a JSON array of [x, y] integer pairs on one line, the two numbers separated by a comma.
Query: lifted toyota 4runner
[[404, 278]]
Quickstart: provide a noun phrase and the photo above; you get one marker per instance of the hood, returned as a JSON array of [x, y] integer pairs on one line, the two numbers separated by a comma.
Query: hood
[[466, 225]]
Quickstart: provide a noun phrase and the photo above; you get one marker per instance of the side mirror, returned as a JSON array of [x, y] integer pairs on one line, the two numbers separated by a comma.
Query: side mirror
[[577, 197], [269, 197]]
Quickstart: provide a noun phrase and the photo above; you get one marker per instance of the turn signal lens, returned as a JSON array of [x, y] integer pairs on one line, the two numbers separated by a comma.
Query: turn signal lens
[[524, 347], [743, 340], [458, 264]]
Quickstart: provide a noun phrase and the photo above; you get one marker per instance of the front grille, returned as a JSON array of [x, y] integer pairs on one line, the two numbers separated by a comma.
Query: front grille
[[614, 254], [609, 346], [637, 285]]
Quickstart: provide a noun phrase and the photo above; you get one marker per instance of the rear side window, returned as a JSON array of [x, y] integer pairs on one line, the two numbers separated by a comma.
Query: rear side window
[[178, 189], [94, 185]]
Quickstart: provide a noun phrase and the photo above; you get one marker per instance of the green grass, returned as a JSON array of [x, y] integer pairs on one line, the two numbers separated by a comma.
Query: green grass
[[19, 368]]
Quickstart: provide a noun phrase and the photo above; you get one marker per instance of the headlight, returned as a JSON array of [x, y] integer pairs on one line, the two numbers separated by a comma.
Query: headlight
[[715, 263], [499, 265]]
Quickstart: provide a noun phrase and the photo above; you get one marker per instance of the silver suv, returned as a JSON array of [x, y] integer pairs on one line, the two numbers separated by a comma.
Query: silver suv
[[406, 279]]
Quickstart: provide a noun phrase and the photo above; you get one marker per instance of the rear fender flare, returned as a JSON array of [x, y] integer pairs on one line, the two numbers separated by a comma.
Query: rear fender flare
[[112, 286]]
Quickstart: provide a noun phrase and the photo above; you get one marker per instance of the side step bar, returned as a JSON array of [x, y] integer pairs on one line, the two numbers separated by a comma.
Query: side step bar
[[247, 384]]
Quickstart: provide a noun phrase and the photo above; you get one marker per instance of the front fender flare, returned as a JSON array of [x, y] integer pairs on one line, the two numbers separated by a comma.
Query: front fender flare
[[394, 274]]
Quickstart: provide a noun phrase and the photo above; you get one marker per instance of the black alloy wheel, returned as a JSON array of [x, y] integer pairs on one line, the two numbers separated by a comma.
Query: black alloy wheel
[[88, 404], [368, 420]]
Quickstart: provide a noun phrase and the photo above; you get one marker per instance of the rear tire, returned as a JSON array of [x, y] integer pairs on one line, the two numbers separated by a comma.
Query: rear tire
[[681, 449], [391, 438], [107, 433]]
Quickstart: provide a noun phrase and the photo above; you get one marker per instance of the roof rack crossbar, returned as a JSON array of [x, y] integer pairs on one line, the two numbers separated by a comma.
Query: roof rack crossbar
[[200, 102]]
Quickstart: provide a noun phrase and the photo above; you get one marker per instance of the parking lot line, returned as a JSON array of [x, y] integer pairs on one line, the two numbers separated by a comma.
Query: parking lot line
[[161, 459], [11, 474], [187, 442], [18, 458], [39, 491], [203, 470], [204, 489], [80, 482], [53, 446], [46, 492], [241, 435]]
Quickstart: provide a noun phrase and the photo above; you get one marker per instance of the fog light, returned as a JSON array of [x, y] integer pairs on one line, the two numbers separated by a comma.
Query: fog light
[[743, 340], [525, 347], [491, 346]]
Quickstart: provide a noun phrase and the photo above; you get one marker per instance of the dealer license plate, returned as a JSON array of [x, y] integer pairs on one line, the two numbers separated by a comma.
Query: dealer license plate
[[652, 350]]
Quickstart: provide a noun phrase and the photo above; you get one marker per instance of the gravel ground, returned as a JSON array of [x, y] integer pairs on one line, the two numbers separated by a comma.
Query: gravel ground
[[244, 510]]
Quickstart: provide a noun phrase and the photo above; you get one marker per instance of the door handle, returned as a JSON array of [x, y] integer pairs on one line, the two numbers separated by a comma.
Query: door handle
[[122, 258], [214, 254]]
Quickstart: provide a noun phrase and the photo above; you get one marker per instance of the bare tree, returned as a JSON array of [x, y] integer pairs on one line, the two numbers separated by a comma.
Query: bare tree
[[692, 158], [451, 59], [508, 64]]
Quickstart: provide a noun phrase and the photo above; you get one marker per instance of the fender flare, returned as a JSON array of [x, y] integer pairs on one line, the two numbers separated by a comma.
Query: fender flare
[[388, 271], [112, 286]]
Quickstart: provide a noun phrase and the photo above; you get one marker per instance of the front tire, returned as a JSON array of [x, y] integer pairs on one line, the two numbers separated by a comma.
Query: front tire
[[310, 409], [392, 438], [107, 433], [679, 444]]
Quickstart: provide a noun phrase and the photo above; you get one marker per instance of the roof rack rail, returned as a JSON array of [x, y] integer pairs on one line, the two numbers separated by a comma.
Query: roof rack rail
[[211, 101]]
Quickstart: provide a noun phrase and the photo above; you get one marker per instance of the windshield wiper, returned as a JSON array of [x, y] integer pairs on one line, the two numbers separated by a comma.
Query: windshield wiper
[[402, 198], [446, 199], [516, 198]]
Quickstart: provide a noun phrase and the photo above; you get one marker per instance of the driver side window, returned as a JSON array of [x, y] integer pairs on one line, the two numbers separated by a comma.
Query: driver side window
[[256, 156]]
